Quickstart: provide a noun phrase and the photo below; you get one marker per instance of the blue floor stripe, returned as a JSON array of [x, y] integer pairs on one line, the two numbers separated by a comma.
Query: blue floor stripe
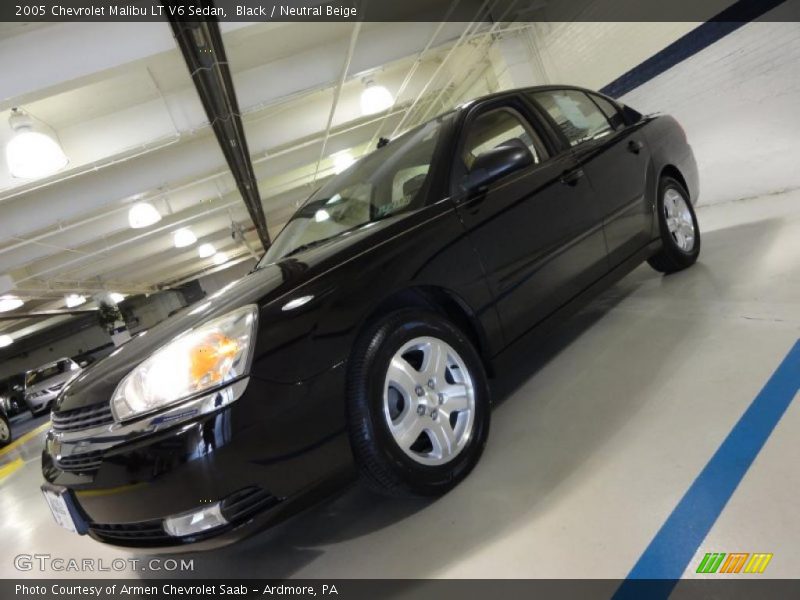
[[677, 541]]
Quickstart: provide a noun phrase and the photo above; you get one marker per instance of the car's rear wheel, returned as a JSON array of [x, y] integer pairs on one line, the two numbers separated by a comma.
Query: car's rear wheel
[[680, 235], [418, 404], [5, 430]]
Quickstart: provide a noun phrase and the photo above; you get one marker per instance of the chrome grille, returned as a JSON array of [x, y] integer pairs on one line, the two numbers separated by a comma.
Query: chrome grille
[[82, 418], [131, 533], [81, 463], [246, 502]]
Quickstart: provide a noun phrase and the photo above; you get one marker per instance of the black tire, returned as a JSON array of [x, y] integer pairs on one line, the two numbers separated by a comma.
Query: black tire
[[384, 466], [671, 258], [5, 431]]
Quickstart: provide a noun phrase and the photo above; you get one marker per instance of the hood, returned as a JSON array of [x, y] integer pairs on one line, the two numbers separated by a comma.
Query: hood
[[97, 383]]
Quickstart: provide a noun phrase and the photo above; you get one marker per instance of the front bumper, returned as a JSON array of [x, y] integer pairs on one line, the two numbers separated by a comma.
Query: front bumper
[[41, 402], [261, 452]]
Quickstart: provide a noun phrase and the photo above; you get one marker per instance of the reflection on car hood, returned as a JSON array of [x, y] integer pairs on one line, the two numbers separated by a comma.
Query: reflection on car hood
[[97, 384], [51, 382]]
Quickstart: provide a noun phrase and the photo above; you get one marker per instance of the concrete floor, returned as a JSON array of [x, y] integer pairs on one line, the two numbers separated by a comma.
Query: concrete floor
[[595, 444]]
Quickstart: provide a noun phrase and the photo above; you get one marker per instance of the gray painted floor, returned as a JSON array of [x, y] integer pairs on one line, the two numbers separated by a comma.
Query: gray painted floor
[[598, 439]]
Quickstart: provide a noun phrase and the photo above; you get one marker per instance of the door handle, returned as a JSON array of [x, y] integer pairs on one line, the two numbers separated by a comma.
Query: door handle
[[635, 146], [571, 177]]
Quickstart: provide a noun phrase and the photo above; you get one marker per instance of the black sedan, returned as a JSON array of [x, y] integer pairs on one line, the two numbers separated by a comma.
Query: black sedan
[[364, 339]]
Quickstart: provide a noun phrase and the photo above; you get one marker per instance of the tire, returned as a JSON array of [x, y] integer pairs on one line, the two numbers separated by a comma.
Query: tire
[[676, 222], [452, 414], [5, 431]]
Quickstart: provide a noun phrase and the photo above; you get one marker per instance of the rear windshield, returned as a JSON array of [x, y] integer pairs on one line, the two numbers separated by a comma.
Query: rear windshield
[[39, 375]]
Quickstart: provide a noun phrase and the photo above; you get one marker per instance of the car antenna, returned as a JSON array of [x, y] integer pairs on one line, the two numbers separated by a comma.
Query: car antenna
[[382, 142]]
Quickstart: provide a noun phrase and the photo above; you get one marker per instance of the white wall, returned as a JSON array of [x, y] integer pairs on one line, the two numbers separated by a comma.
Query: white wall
[[739, 103], [77, 343], [737, 99]]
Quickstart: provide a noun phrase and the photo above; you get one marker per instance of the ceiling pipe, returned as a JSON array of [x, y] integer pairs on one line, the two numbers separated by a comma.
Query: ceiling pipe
[[204, 53], [336, 93]]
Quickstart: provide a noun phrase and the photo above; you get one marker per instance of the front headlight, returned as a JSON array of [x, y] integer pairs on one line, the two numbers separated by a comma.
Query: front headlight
[[205, 357]]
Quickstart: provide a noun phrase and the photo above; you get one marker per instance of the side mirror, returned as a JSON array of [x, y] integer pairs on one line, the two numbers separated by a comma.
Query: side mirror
[[495, 164]]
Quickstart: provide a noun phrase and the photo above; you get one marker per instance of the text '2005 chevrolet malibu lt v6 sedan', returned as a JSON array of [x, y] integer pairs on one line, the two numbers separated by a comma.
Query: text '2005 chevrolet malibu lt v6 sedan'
[[366, 332]]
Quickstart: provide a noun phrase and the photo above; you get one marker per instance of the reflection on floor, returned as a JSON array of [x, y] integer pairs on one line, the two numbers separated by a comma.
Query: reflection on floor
[[598, 437]]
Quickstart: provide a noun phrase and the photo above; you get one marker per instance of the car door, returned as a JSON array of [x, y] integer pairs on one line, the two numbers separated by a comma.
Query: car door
[[537, 230], [615, 158]]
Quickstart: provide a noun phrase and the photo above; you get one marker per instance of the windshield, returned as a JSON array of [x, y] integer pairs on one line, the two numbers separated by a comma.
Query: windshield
[[389, 181], [49, 371]]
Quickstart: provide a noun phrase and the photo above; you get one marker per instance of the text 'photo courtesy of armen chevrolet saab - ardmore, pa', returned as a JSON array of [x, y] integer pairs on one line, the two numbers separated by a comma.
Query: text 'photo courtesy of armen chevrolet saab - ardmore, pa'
[[427, 299]]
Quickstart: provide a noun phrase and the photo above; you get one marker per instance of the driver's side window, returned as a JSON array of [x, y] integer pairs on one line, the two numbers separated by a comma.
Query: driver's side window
[[501, 127]]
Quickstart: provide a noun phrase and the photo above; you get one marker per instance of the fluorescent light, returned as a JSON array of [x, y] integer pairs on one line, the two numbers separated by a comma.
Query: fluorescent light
[[74, 300], [10, 303], [31, 154], [183, 237], [375, 99], [220, 258], [206, 250], [6, 340], [321, 215], [116, 297], [342, 161], [143, 214]]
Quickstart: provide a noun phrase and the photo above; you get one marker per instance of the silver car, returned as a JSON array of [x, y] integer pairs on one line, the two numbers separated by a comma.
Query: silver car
[[43, 385]]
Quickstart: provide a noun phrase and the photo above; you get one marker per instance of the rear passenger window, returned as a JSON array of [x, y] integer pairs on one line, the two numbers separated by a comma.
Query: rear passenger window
[[579, 118], [609, 110]]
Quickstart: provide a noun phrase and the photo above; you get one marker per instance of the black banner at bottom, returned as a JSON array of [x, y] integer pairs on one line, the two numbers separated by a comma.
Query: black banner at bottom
[[412, 589]]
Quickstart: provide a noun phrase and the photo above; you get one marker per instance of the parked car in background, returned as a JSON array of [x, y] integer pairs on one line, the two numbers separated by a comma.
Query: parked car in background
[[364, 338], [43, 385], [5, 429], [12, 394]]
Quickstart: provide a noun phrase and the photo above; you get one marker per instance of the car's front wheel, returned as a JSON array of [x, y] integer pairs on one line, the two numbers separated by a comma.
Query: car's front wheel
[[418, 404], [5, 430], [680, 235]]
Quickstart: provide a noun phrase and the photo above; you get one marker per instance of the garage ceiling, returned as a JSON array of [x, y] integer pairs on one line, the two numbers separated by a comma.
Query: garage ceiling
[[121, 103]]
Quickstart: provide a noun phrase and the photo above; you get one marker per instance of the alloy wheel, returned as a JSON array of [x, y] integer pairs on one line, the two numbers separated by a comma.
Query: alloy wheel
[[429, 401], [679, 220]]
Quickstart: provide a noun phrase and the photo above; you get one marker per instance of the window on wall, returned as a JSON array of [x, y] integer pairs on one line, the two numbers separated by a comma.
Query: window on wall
[[579, 119], [502, 127]]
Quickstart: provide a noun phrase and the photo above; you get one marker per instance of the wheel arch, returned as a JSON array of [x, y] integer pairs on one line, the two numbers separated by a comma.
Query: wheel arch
[[441, 301], [670, 170]]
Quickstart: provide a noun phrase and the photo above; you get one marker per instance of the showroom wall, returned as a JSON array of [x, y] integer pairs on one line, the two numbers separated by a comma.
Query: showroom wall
[[711, 87], [74, 343], [741, 152]]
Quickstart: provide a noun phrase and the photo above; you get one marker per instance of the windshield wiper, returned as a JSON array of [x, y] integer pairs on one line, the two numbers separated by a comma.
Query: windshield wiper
[[308, 245]]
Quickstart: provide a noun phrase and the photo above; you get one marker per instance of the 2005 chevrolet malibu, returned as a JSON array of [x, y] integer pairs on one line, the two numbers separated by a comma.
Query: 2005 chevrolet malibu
[[362, 340]]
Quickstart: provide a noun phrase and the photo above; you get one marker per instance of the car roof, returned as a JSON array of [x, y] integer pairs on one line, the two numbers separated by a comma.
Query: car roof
[[49, 364]]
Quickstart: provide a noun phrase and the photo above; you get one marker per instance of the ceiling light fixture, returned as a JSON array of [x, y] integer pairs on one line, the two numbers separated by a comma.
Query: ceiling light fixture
[[342, 161], [183, 237], [375, 98], [6, 340], [143, 214], [8, 303], [116, 297], [321, 215], [74, 300], [220, 258], [206, 250], [31, 154]]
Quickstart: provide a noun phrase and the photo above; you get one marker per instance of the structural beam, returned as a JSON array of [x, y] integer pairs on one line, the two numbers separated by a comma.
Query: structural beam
[[201, 44]]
